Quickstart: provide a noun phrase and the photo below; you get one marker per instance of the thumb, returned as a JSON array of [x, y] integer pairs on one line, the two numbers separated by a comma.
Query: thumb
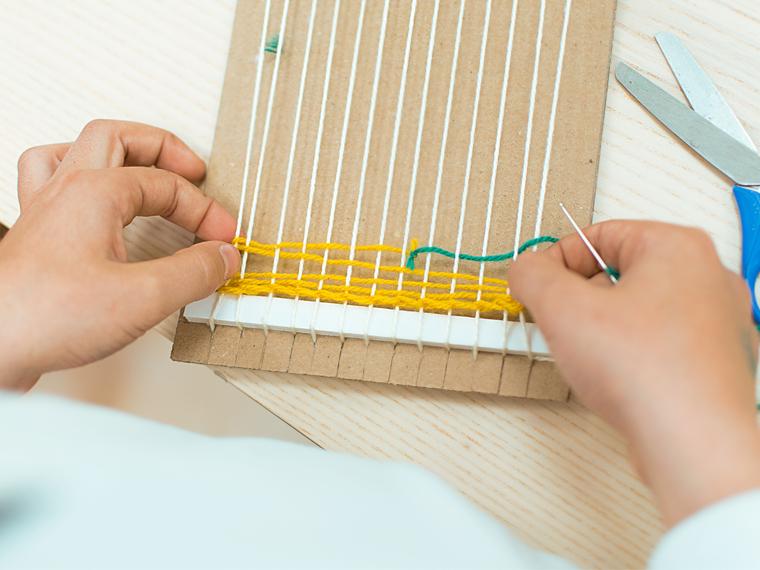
[[189, 275], [551, 292]]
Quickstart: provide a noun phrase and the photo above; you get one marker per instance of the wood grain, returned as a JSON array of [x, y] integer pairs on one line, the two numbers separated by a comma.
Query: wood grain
[[552, 472]]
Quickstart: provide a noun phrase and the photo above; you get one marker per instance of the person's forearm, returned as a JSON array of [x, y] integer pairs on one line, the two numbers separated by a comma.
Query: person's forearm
[[15, 370], [692, 459]]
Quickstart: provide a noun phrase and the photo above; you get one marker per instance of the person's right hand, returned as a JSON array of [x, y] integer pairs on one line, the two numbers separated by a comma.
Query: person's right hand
[[667, 356]]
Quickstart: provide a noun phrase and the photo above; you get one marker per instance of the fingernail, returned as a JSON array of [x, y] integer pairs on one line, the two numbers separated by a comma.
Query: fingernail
[[231, 258]]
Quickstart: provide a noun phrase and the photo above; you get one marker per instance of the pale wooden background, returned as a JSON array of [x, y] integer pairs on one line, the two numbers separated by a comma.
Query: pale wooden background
[[553, 472]]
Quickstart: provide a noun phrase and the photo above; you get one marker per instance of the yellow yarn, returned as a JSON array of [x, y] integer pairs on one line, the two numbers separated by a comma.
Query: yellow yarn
[[469, 294]]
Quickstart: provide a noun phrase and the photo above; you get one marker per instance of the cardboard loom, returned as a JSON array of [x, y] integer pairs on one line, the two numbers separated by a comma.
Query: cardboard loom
[[571, 173]]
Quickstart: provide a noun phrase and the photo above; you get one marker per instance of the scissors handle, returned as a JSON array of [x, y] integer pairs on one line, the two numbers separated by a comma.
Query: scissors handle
[[748, 201]]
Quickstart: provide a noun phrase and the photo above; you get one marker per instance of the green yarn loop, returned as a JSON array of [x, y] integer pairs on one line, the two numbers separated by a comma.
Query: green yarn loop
[[481, 258], [272, 44]]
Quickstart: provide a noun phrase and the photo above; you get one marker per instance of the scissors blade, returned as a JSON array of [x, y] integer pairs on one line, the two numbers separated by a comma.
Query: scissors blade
[[700, 89], [732, 158]]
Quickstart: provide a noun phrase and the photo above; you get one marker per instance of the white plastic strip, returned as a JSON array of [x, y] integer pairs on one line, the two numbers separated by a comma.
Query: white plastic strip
[[290, 315]]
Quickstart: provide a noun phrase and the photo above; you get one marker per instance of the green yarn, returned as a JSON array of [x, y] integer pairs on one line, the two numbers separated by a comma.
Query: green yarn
[[481, 258], [272, 44], [492, 258]]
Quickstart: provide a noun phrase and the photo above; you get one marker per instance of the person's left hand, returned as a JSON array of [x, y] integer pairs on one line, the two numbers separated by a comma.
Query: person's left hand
[[67, 295]]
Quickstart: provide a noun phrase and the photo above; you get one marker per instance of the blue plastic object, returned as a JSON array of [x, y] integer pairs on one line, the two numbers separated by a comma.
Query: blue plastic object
[[748, 201]]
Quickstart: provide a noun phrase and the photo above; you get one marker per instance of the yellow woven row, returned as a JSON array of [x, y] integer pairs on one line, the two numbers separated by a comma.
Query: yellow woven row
[[417, 293], [376, 281], [268, 250]]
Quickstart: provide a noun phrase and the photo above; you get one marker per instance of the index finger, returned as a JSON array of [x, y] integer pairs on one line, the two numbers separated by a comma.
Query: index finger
[[107, 144], [619, 243], [140, 191], [544, 281]]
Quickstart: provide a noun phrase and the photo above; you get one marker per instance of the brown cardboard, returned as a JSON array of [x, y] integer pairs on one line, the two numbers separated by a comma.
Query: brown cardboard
[[514, 377], [571, 177], [377, 364], [405, 365], [352, 358], [545, 384], [301, 354], [224, 347], [250, 348], [277, 353]]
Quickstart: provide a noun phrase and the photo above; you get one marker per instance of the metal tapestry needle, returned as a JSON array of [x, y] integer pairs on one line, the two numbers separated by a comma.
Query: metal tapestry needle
[[606, 268]]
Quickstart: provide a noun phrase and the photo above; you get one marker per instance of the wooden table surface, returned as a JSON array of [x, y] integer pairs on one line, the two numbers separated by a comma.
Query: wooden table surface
[[554, 473]]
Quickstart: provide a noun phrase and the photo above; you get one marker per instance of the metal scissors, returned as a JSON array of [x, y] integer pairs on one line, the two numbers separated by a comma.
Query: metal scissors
[[713, 131]]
